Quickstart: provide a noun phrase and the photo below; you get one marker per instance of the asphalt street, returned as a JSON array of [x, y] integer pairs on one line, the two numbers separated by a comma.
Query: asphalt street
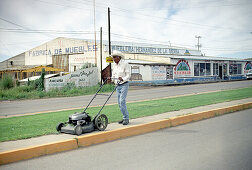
[[222, 142], [42, 105]]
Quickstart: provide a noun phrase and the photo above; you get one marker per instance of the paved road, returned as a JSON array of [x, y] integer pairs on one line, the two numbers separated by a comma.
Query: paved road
[[219, 143], [41, 105]]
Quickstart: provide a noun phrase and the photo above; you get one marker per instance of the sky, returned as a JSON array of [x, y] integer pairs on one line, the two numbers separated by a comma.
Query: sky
[[224, 26]]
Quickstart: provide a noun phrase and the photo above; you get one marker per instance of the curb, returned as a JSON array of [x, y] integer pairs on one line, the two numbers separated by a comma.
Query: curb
[[92, 139], [96, 138], [36, 151]]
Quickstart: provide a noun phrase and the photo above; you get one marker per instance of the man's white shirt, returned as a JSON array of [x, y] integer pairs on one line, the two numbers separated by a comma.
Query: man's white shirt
[[121, 69]]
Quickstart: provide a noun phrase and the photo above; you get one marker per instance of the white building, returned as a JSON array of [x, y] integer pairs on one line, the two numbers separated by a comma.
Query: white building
[[148, 62]]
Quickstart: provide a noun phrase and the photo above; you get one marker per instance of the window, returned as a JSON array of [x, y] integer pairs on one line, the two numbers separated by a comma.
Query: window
[[196, 69], [135, 69], [169, 72], [215, 69], [239, 69], [234, 69], [208, 70], [202, 69]]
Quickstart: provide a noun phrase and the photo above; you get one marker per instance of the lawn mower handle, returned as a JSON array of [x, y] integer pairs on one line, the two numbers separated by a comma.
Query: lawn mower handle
[[99, 91]]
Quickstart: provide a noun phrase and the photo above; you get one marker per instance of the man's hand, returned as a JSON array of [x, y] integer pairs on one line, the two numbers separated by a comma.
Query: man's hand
[[120, 78]]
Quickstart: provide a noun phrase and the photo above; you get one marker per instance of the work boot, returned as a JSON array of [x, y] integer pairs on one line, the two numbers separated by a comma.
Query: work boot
[[125, 122]]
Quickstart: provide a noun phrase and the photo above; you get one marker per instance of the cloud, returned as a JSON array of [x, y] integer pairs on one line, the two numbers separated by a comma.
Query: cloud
[[223, 25]]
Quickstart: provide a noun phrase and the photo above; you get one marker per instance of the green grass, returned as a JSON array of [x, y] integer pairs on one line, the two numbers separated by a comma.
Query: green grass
[[42, 124], [30, 92]]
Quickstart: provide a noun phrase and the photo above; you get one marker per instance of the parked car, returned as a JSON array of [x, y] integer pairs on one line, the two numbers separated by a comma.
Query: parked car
[[249, 74]]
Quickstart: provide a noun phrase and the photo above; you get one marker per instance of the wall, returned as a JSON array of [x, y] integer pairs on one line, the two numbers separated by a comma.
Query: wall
[[18, 60], [42, 55], [158, 72], [247, 66], [152, 49], [81, 78], [144, 71], [146, 57], [76, 61], [183, 68], [148, 72]]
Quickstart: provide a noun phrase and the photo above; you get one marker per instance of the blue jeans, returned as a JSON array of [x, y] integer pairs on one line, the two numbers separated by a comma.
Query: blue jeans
[[122, 91]]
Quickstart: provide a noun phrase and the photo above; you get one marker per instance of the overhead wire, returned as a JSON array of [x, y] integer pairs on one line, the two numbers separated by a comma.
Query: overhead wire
[[101, 5], [45, 31], [114, 34], [166, 20], [23, 28], [127, 11]]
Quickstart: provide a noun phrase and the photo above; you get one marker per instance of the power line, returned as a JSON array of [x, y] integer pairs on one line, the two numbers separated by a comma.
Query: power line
[[130, 11], [248, 48], [12, 23], [116, 9], [166, 20], [24, 28], [243, 40], [203, 7], [44, 31], [58, 4]]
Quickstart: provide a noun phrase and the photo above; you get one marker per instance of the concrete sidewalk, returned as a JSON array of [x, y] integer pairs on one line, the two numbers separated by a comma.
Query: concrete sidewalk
[[20, 144]]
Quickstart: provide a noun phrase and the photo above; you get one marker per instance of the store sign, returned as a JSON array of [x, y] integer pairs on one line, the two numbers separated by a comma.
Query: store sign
[[109, 60], [81, 78], [60, 51], [187, 52], [247, 67], [182, 68], [158, 73], [150, 50]]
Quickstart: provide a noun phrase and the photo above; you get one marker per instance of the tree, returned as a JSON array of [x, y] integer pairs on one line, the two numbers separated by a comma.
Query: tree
[[41, 80]]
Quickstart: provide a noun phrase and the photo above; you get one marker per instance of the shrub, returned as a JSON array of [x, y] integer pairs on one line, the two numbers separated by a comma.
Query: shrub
[[38, 84], [6, 82], [34, 83], [41, 94], [41, 80], [107, 88], [25, 88]]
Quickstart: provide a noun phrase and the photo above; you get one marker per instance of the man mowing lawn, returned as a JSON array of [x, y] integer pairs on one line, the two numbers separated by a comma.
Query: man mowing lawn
[[121, 72]]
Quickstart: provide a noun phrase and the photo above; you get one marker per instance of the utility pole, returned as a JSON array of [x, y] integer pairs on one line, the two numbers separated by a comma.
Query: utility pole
[[95, 33], [199, 45], [109, 31], [169, 43], [101, 51], [110, 73]]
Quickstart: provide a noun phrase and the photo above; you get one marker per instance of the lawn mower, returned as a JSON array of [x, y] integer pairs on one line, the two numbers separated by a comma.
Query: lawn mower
[[79, 123]]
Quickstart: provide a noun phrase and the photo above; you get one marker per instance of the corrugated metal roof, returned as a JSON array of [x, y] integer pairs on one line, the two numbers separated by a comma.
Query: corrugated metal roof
[[29, 68], [37, 77], [19, 68]]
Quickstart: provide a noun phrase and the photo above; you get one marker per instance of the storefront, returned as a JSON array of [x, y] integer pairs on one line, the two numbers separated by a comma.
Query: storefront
[[202, 66], [191, 69], [150, 71], [148, 62]]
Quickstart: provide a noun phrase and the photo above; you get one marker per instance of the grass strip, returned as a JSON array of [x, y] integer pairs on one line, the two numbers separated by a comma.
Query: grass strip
[[15, 128], [29, 92]]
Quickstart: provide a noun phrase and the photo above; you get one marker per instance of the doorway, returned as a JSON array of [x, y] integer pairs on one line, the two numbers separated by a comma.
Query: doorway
[[220, 72]]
